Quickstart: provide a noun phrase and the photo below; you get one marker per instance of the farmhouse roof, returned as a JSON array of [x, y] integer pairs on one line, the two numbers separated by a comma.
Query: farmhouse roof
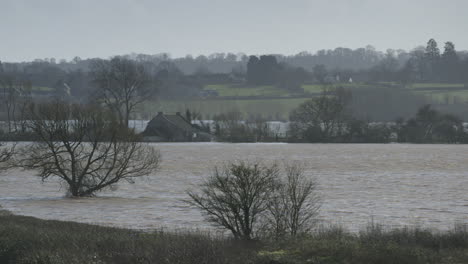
[[178, 121]]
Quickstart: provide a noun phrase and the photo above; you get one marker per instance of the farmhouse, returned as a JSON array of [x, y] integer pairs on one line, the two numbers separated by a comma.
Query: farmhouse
[[173, 128]]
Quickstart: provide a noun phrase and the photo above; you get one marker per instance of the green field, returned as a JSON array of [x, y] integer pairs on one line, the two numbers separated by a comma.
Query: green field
[[266, 107], [238, 90], [38, 88], [284, 102], [436, 85], [312, 88], [449, 97], [226, 90], [447, 93], [42, 89]]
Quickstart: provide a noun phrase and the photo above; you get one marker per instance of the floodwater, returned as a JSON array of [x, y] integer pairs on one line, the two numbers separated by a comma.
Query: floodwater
[[393, 184]]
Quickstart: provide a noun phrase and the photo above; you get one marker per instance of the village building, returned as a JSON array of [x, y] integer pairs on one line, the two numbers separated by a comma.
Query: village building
[[173, 128]]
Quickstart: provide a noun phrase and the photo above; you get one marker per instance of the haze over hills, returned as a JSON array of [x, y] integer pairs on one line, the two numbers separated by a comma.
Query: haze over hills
[[88, 29]]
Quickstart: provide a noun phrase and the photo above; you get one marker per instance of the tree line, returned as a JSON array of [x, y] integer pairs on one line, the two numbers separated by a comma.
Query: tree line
[[330, 118], [185, 77], [424, 64]]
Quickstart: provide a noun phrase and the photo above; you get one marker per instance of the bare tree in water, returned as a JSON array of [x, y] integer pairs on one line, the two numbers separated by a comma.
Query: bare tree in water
[[86, 148], [6, 154]]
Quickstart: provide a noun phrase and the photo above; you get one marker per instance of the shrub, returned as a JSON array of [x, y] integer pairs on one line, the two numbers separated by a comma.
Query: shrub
[[249, 198]]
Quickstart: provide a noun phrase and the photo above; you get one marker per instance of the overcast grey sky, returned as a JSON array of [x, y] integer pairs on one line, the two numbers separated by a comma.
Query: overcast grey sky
[[101, 28]]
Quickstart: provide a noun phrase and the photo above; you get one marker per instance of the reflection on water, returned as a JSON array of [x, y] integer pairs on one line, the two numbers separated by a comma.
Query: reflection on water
[[392, 184]]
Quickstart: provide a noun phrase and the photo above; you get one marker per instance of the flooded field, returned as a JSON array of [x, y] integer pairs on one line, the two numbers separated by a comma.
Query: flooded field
[[393, 184]]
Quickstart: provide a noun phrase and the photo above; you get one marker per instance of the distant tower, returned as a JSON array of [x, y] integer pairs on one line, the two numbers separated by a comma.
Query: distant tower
[[350, 80]]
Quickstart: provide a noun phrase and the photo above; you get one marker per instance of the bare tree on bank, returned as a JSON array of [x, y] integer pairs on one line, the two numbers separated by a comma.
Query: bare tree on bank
[[248, 199], [16, 96], [122, 85], [294, 204], [235, 197], [83, 146]]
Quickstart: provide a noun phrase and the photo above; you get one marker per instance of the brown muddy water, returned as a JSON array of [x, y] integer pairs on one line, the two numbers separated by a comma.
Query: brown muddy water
[[394, 184]]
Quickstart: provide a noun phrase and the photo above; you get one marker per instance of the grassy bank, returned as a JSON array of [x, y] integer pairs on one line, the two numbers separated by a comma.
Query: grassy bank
[[30, 240]]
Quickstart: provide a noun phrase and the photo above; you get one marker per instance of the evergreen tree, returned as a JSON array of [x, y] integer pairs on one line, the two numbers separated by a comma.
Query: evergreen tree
[[431, 57], [449, 50], [263, 71], [450, 64], [269, 69], [253, 70], [432, 50]]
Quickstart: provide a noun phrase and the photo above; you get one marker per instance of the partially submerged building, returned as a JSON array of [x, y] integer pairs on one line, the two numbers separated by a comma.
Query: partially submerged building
[[173, 128]]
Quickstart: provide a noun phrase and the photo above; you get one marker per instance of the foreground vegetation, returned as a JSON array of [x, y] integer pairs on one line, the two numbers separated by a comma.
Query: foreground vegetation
[[248, 198], [30, 240]]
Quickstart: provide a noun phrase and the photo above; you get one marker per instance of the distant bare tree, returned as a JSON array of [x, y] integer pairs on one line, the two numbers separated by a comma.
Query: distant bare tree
[[16, 96], [236, 197], [259, 128], [9, 96], [321, 118], [84, 146], [195, 118], [122, 85], [192, 114], [231, 127]]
